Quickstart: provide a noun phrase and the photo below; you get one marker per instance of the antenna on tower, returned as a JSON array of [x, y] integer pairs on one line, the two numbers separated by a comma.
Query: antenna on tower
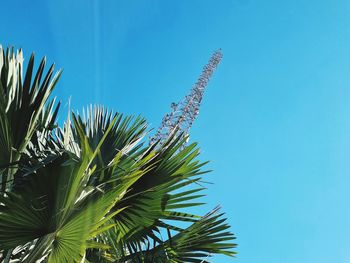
[[179, 121]]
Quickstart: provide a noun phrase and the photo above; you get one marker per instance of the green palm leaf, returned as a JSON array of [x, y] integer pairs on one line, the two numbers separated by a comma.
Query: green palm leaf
[[21, 106]]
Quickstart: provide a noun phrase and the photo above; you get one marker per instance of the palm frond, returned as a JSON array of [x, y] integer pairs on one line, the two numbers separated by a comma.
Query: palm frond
[[197, 243], [21, 105]]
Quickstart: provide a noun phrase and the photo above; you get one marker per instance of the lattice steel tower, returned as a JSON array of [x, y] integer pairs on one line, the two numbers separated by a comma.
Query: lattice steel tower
[[183, 114]]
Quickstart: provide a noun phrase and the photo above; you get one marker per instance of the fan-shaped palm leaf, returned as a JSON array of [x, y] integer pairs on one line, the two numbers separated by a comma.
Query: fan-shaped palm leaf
[[21, 106]]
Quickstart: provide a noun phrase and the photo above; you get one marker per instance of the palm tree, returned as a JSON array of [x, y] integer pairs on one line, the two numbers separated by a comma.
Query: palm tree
[[91, 190]]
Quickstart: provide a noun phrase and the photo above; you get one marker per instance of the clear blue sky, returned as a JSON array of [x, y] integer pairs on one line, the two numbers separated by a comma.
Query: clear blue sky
[[275, 121]]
